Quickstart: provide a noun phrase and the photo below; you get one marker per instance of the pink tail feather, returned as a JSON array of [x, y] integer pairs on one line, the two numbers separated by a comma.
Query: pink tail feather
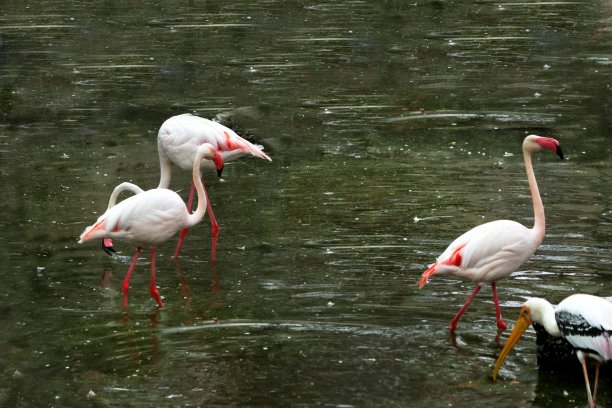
[[90, 231]]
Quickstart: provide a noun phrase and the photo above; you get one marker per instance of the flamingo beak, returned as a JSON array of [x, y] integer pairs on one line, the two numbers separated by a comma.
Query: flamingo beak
[[523, 322], [107, 245], [550, 144], [218, 160], [559, 152]]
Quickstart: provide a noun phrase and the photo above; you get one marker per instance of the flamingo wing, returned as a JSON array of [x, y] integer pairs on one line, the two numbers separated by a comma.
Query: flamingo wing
[[487, 252]]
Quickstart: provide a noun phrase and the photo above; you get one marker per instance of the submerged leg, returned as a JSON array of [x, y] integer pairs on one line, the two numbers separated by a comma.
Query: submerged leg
[[184, 231], [126, 281], [582, 358], [154, 291], [500, 322], [455, 321], [214, 228]]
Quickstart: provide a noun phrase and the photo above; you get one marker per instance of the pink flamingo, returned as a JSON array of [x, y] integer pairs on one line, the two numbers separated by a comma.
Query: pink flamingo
[[150, 218], [178, 140], [494, 250]]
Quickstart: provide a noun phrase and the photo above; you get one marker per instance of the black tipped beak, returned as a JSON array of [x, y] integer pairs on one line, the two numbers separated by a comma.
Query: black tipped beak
[[219, 171], [108, 249], [559, 152]]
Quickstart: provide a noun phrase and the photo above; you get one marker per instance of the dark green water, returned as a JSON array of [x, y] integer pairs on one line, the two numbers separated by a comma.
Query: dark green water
[[393, 127]]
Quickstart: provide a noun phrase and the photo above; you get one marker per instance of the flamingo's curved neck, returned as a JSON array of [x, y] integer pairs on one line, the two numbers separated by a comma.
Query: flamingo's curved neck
[[165, 167], [125, 186], [196, 217], [539, 224]]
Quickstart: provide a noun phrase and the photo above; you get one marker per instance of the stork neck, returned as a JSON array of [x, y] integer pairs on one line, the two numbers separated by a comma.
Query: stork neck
[[539, 224], [548, 320]]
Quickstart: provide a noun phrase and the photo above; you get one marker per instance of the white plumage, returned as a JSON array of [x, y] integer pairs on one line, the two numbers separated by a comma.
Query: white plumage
[[180, 136]]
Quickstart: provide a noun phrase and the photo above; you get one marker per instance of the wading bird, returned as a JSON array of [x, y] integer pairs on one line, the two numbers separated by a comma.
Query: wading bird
[[585, 321], [494, 250], [150, 218], [178, 140]]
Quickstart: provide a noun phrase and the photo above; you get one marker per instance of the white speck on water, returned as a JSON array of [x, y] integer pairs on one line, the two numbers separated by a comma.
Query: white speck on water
[[91, 394], [330, 303]]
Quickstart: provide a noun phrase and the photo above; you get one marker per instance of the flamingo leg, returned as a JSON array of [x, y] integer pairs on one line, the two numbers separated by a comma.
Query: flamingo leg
[[184, 231], [214, 228], [455, 321], [500, 322], [154, 291], [126, 281], [586, 381]]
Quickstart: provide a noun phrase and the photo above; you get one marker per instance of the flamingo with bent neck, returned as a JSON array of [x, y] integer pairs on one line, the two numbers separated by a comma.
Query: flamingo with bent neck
[[152, 217]]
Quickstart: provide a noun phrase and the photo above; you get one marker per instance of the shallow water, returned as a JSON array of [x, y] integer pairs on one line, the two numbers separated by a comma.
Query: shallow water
[[393, 128]]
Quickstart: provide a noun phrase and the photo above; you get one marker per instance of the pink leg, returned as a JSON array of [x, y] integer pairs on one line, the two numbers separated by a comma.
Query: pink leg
[[126, 281], [184, 231], [154, 291], [500, 323], [455, 321], [214, 228], [597, 364], [586, 381]]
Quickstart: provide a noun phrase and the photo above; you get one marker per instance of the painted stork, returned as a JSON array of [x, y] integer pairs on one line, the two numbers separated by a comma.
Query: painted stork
[[585, 321]]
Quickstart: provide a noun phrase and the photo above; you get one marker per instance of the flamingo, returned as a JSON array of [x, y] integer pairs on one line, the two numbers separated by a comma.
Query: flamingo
[[585, 321], [150, 218], [177, 142], [494, 250]]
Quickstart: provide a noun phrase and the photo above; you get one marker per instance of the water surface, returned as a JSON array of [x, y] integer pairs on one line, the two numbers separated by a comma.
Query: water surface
[[393, 128]]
